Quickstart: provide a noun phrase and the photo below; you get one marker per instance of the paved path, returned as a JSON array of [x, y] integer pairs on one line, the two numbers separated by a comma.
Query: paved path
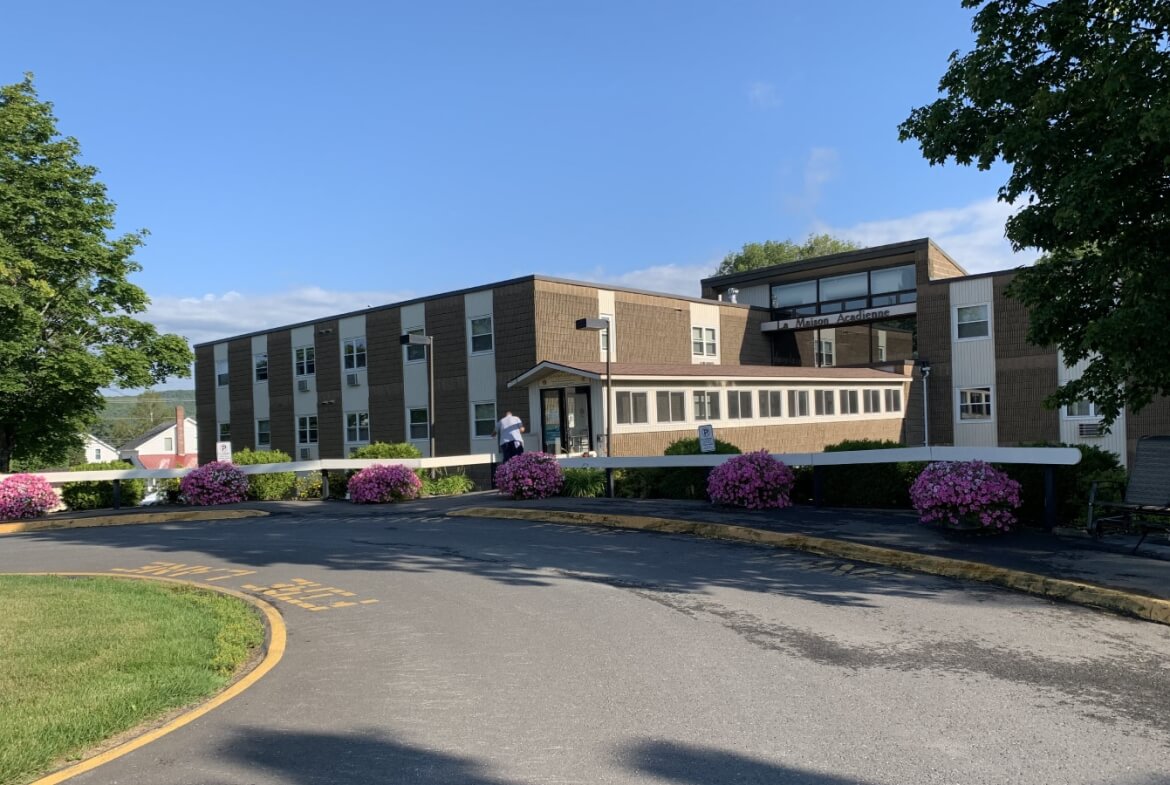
[[427, 649]]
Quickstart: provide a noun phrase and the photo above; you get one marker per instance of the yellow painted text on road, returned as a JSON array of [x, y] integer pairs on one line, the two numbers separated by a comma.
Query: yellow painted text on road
[[168, 569], [310, 595]]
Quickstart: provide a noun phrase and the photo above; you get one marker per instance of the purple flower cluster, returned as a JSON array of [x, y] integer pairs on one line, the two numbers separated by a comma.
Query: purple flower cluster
[[218, 482], [754, 480], [966, 491], [532, 475], [381, 483], [26, 496]]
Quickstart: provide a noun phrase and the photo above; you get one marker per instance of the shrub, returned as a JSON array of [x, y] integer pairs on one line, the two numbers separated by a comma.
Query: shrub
[[964, 493], [25, 496], [533, 475], [308, 486], [385, 450], [98, 494], [686, 482], [1072, 483], [869, 484], [635, 483], [218, 482], [273, 486], [339, 484], [170, 489], [380, 483], [584, 483], [756, 481], [448, 485]]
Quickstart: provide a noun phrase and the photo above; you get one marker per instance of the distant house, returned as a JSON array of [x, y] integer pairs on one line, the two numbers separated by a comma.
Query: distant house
[[169, 445], [97, 451]]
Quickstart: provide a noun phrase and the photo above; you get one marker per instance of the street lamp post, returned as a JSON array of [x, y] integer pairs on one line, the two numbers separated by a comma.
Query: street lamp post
[[598, 325], [414, 339], [924, 365]]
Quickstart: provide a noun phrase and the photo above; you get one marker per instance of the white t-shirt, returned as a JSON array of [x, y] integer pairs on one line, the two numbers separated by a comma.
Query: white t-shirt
[[508, 429]]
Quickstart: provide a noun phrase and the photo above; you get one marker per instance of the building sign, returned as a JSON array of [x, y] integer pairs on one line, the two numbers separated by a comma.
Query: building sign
[[840, 319]]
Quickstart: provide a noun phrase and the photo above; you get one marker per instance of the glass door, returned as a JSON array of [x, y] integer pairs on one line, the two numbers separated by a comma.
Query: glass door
[[550, 421], [566, 420]]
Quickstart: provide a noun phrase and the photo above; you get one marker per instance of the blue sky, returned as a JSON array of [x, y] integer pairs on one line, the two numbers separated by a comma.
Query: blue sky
[[294, 160]]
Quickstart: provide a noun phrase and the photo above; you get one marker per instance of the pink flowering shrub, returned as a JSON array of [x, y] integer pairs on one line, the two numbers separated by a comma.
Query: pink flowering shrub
[[218, 482], [960, 492], [25, 496], [532, 475], [754, 480], [380, 483]]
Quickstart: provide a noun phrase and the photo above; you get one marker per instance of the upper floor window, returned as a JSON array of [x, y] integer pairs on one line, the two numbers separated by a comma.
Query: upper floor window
[[263, 433], [632, 407], [975, 403], [706, 405], [357, 427], [972, 321], [307, 429], [484, 419], [224, 432], [416, 352], [739, 404], [221, 373], [849, 292], [305, 360], [703, 342], [671, 407], [354, 353], [260, 367], [481, 334]]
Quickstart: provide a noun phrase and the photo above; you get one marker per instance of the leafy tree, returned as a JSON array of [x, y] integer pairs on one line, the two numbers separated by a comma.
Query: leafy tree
[[1074, 95], [66, 324], [766, 254]]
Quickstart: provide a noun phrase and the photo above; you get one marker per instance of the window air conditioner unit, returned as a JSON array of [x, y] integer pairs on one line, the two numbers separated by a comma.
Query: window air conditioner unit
[[1089, 429], [352, 380], [303, 385], [305, 453]]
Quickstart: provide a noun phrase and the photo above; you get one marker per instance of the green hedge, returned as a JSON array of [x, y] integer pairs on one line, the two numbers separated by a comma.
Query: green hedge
[[687, 482], [1072, 484], [869, 484], [267, 487], [100, 494]]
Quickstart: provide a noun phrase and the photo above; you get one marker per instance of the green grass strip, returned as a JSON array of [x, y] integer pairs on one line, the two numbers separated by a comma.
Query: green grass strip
[[84, 659]]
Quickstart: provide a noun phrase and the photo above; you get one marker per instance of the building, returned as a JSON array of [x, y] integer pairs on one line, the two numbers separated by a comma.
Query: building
[[168, 445], [98, 451], [789, 358]]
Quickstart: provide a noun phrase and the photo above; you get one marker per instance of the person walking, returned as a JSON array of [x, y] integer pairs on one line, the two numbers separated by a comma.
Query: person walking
[[509, 430]]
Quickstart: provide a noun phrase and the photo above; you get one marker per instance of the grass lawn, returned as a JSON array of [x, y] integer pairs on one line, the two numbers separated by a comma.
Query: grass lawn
[[83, 659]]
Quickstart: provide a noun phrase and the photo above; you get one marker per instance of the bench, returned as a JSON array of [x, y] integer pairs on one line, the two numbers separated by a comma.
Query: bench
[[1145, 506]]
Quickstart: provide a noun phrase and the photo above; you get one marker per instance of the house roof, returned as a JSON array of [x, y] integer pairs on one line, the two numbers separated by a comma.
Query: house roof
[[648, 371], [90, 439], [138, 441]]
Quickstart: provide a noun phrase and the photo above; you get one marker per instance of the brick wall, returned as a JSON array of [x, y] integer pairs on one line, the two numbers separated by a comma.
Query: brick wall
[[934, 344], [514, 320], [280, 393], [446, 323], [240, 394], [205, 401], [1025, 375], [384, 376]]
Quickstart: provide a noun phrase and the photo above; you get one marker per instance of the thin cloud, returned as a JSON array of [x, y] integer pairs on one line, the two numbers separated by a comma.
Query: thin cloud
[[821, 167], [972, 235], [763, 95]]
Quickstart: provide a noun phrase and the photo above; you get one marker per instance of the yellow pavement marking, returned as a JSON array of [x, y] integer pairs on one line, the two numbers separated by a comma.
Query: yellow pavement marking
[[126, 519], [274, 651], [170, 569], [1120, 601], [299, 592]]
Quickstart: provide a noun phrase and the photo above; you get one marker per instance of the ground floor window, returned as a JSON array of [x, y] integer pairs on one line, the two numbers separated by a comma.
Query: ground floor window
[[849, 403], [706, 405], [893, 400], [770, 403], [418, 421], [671, 407], [307, 429], [798, 403], [975, 403], [872, 400], [632, 407], [225, 432], [824, 403], [484, 419], [739, 404]]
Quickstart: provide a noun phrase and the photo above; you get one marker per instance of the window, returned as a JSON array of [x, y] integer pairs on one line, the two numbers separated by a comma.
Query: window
[[357, 427], [770, 403], [893, 400], [260, 366], [739, 404], [632, 407], [1081, 409], [872, 400], [796, 298], [844, 292], [671, 407], [419, 424], [706, 405], [225, 432], [97, 453], [604, 334], [414, 353], [798, 403], [971, 321], [481, 336], [354, 353], [305, 360], [975, 403], [891, 279], [823, 399], [484, 415], [703, 342], [221, 373], [169, 443], [849, 403], [307, 430], [263, 433], [824, 352]]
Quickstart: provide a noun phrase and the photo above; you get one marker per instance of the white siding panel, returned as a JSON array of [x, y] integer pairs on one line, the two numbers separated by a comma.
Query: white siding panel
[[259, 391], [481, 368], [605, 305], [353, 399], [703, 315], [222, 399], [304, 403]]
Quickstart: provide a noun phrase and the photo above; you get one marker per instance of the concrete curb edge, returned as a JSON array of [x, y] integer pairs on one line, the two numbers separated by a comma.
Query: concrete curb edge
[[128, 519], [1091, 595]]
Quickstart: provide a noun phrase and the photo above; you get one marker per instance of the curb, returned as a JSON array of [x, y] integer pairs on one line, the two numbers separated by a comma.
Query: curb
[[276, 638], [1091, 595], [128, 519]]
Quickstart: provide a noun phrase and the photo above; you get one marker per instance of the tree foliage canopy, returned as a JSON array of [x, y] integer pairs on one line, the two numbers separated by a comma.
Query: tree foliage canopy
[[1075, 96], [66, 307], [753, 256]]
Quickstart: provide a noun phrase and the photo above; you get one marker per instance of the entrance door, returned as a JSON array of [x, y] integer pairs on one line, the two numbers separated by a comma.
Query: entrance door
[[565, 420]]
